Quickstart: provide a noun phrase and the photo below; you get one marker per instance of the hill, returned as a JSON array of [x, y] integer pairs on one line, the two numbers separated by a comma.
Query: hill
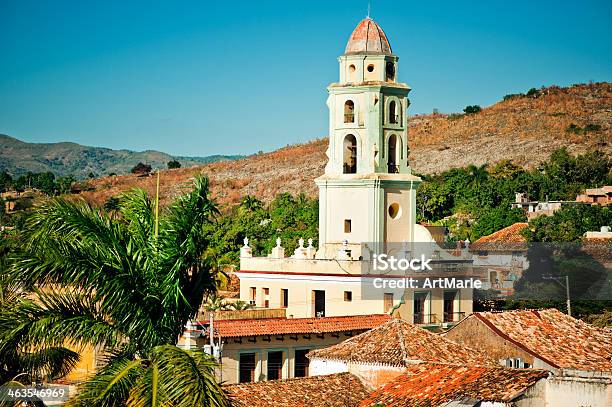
[[522, 128], [18, 157]]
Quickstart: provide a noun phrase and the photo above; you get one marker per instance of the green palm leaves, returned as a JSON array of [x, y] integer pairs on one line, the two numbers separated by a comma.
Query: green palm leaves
[[110, 281], [169, 376]]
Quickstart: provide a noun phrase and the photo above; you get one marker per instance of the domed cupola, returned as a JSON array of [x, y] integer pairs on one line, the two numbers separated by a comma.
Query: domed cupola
[[368, 38]]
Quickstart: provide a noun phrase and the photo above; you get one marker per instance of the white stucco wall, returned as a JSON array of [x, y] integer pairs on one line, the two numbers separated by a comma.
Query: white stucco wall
[[320, 367]]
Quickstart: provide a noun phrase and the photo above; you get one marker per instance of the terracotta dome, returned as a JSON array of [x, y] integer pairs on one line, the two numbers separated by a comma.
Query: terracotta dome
[[368, 38]]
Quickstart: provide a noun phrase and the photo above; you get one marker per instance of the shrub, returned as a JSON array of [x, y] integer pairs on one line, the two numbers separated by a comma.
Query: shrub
[[472, 109], [173, 164], [141, 169]]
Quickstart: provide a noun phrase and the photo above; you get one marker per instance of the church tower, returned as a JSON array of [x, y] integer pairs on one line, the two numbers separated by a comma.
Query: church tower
[[367, 194]]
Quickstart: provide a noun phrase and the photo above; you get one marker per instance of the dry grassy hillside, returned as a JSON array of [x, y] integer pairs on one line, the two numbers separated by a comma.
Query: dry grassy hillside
[[524, 129]]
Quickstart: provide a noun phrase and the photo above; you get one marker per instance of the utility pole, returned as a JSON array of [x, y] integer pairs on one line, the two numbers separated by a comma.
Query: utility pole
[[567, 290]]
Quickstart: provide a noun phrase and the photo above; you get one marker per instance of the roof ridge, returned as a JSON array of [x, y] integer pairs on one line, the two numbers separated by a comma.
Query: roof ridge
[[402, 340]]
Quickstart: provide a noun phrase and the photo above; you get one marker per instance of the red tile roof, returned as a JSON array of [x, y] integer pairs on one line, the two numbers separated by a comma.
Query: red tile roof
[[508, 238], [336, 390], [434, 384], [554, 337], [399, 343], [368, 37], [284, 326]]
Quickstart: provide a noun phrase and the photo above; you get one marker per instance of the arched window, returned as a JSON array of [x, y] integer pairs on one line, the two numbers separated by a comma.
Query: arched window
[[393, 117], [392, 157], [349, 112], [349, 154]]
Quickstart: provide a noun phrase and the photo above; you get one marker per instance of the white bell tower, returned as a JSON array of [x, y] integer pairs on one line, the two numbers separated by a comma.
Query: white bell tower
[[367, 194]]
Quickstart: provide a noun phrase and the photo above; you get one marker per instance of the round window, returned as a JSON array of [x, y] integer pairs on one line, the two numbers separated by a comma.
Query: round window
[[395, 211], [370, 68], [352, 68]]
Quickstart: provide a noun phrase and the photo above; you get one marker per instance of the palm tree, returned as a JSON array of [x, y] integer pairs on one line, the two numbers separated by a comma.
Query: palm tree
[[126, 284], [239, 305]]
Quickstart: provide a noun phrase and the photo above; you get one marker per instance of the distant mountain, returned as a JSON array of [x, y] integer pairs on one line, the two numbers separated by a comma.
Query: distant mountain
[[18, 157]]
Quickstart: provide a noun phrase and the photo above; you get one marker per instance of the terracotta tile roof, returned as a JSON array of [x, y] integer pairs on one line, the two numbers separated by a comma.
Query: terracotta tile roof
[[508, 238], [342, 389], [399, 343], [554, 337], [433, 384], [368, 37], [280, 326]]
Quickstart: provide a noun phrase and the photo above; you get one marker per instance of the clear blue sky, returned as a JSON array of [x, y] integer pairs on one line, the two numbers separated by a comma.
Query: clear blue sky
[[197, 78]]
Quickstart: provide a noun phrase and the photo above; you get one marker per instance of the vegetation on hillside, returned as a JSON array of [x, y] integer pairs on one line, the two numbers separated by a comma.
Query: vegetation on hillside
[[476, 201]]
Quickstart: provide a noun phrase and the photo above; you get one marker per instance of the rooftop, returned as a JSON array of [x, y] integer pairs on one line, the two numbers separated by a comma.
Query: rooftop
[[434, 384], [399, 343], [508, 238], [280, 326], [342, 389], [554, 337], [368, 38]]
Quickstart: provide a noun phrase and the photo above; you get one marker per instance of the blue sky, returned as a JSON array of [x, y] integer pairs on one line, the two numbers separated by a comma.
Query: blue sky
[[199, 78]]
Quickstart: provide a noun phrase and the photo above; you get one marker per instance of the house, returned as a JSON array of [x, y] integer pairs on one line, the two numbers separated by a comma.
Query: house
[[337, 390], [578, 354], [597, 196], [546, 339], [604, 233], [257, 349], [431, 384], [538, 208], [383, 353], [367, 208], [501, 257]]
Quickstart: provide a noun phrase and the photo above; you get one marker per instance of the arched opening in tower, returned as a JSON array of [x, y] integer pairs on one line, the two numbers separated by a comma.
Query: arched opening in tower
[[349, 155], [349, 112], [393, 118], [393, 156]]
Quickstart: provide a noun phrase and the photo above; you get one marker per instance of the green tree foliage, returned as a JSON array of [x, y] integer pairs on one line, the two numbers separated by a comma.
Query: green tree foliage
[[173, 164], [122, 285], [568, 224], [64, 184], [484, 194], [472, 109], [6, 181], [44, 181], [141, 169], [287, 217]]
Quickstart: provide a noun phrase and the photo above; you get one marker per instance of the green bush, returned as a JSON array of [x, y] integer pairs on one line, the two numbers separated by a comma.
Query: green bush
[[472, 109]]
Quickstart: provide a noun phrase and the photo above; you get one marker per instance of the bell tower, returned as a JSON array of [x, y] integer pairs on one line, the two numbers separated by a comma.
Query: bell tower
[[367, 194]]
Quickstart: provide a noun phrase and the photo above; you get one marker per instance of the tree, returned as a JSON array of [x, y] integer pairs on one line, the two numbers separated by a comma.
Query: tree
[[568, 224], [141, 169], [126, 284], [18, 364], [173, 164], [64, 184], [6, 181], [472, 109]]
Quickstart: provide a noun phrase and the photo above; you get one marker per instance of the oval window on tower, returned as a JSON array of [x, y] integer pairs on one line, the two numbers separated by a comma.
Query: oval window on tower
[[395, 210]]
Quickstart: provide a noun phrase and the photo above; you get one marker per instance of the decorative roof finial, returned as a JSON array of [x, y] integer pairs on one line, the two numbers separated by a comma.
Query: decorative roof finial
[[369, 7]]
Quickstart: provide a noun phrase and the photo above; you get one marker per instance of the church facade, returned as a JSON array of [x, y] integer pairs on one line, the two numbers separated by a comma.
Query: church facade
[[367, 206]]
